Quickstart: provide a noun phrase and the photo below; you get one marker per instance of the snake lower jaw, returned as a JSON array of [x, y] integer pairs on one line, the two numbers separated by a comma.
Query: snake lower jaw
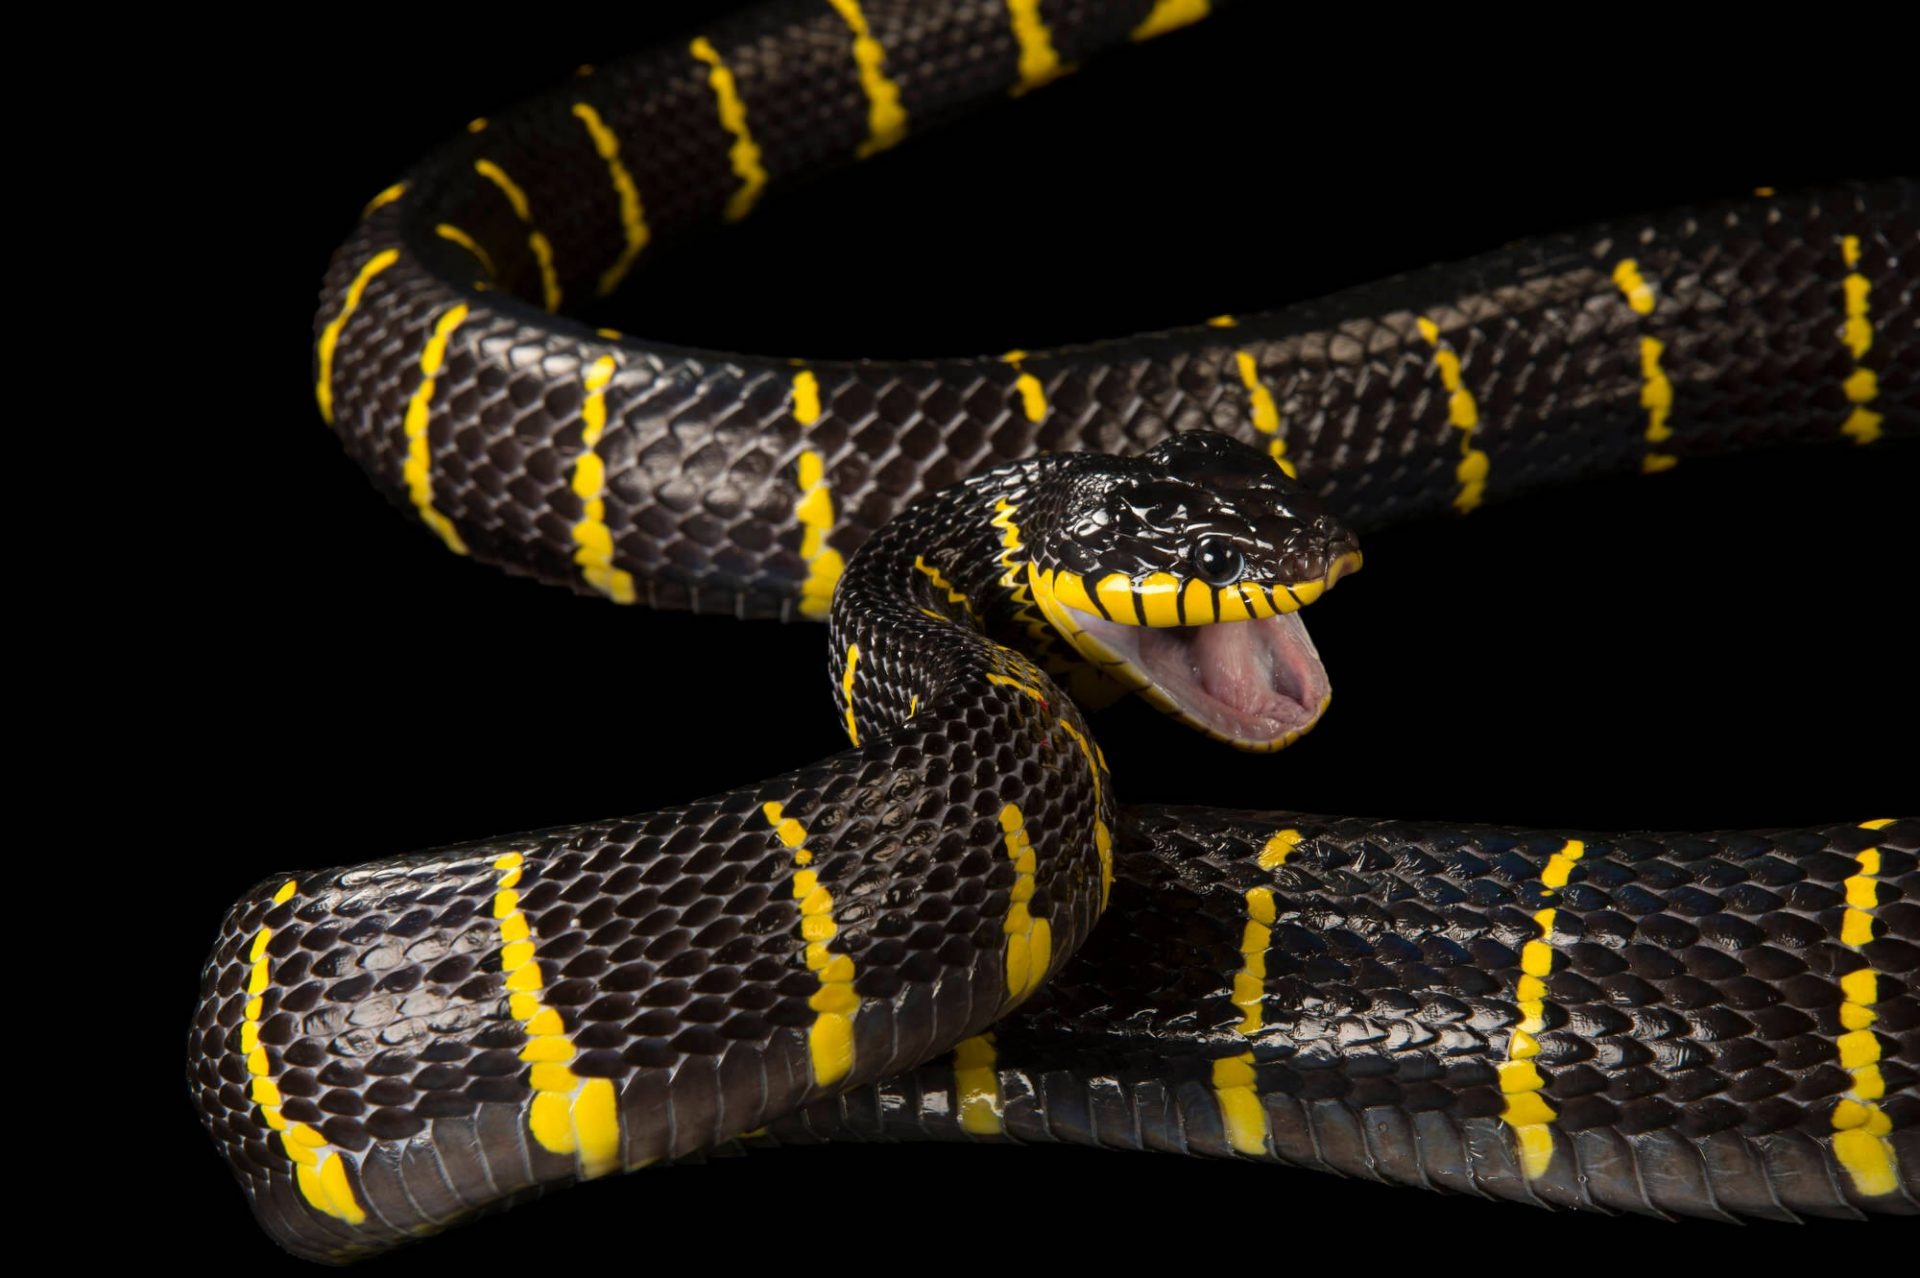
[[1256, 685]]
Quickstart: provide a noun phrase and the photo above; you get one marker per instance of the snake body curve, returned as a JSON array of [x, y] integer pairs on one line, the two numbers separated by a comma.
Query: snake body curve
[[1380, 1035]]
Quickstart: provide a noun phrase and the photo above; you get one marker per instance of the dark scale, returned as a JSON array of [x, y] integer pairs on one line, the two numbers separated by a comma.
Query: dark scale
[[362, 1054]]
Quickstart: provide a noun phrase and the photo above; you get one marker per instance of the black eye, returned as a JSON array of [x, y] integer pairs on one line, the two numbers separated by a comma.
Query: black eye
[[1218, 560]]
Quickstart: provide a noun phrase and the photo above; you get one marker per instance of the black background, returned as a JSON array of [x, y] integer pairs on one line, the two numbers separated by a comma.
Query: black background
[[1724, 645]]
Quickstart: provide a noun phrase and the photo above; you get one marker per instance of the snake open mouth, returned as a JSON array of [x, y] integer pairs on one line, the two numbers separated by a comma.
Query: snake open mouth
[[1249, 675], [1258, 685]]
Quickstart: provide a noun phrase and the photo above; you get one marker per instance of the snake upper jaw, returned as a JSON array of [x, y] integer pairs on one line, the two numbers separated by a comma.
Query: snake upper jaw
[[1257, 685]]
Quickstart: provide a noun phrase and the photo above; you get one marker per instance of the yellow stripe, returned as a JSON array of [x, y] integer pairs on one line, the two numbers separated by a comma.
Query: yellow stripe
[[1862, 386], [886, 118], [1029, 940], [1070, 588], [1014, 568], [1102, 837], [1462, 414], [1234, 1083], [591, 536], [1033, 396], [383, 199], [417, 470], [320, 1169], [976, 1086], [1198, 602], [1633, 286], [744, 154], [448, 231], [633, 219], [1860, 1126], [1242, 1115], [1656, 396], [569, 1114], [830, 1040], [536, 240], [1266, 414], [1279, 848], [1159, 597], [330, 335], [1527, 1111], [806, 397], [1169, 15], [1249, 984], [1858, 332], [1115, 593], [814, 510], [1292, 598], [1656, 390], [1039, 63], [1008, 681], [932, 574], [1232, 604], [1236, 1090], [846, 687]]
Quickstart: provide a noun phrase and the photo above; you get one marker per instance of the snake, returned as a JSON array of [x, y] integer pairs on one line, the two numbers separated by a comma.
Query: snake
[[900, 941]]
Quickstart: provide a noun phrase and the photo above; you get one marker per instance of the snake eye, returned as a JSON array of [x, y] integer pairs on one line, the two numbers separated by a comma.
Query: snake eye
[[1218, 560]]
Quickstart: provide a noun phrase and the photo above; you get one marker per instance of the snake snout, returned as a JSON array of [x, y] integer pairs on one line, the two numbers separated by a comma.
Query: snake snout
[[1320, 551]]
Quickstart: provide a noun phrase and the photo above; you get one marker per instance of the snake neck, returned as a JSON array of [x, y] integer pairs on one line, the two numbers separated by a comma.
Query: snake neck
[[940, 598]]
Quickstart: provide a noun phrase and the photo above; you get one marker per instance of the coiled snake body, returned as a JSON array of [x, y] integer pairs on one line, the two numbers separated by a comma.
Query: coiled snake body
[[1692, 1024]]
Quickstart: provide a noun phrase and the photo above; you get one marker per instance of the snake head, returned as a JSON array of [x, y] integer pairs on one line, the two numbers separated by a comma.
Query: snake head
[[1181, 573]]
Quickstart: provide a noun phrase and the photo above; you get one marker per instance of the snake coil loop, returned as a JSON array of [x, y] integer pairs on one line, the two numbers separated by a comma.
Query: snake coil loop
[[1717, 1025]]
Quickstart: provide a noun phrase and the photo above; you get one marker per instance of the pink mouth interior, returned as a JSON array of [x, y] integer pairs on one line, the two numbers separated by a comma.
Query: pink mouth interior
[[1250, 681]]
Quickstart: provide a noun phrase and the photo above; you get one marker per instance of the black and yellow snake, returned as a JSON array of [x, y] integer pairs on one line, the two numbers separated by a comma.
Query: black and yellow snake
[[1705, 1026]]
